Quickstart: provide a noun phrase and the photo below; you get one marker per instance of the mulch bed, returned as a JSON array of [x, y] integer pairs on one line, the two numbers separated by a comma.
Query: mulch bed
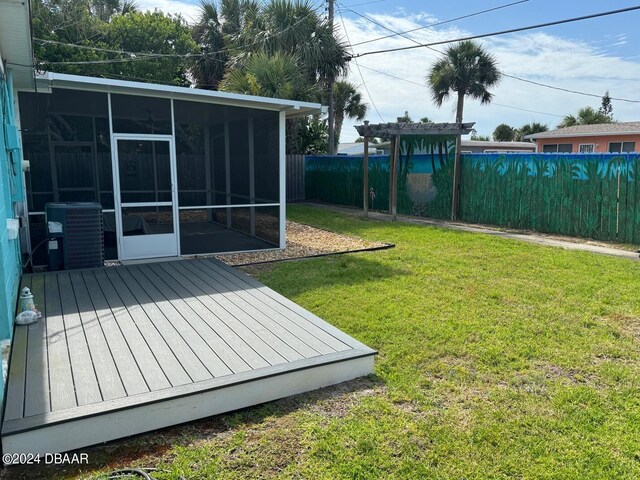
[[304, 241]]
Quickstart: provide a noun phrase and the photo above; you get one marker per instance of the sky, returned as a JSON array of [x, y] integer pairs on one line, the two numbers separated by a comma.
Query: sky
[[592, 56]]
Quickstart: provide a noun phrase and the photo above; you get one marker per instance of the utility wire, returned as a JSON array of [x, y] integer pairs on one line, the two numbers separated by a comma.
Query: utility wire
[[360, 71], [443, 22], [502, 32], [492, 102], [515, 77]]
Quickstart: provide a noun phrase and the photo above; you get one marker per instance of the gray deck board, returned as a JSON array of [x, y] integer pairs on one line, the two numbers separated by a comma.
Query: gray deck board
[[18, 368], [230, 313], [256, 303], [179, 349], [294, 307], [267, 297], [37, 375], [63, 392], [199, 314], [218, 319], [111, 385], [127, 349], [139, 345], [268, 330], [82, 365], [180, 315]]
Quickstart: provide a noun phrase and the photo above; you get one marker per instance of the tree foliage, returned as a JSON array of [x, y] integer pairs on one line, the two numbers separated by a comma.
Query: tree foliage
[[100, 29], [529, 129], [348, 103], [585, 116], [504, 133], [465, 69]]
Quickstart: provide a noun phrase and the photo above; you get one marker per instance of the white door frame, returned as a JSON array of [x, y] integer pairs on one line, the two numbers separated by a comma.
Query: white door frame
[[140, 247]]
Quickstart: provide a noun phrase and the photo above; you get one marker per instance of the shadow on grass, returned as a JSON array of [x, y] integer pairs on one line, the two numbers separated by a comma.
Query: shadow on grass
[[149, 448], [319, 273]]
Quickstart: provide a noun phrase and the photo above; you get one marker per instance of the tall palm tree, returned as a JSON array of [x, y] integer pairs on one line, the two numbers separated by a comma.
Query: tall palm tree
[[208, 70], [348, 102], [585, 116], [465, 69]]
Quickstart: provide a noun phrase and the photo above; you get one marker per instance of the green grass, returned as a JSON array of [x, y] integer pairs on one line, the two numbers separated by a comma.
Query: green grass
[[498, 359]]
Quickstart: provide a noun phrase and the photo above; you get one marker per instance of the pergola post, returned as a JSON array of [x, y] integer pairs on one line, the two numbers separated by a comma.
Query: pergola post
[[365, 177]]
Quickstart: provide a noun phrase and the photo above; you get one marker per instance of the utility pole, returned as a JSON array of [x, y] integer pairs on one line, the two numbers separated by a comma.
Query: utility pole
[[331, 150]]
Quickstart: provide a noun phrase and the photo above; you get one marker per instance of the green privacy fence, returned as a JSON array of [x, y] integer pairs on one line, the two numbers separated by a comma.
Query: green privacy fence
[[591, 195]]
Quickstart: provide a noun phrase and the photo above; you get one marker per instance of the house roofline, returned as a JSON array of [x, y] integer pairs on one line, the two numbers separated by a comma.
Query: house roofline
[[540, 136], [292, 108]]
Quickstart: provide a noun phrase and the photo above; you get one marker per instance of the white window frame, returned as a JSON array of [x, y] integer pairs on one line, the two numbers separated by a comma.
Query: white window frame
[[592, 145]]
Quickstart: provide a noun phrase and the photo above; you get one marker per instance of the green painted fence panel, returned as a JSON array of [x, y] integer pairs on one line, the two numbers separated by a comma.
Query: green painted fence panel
[[584, 195]]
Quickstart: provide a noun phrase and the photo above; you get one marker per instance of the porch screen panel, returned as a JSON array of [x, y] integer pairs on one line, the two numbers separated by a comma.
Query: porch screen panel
[[66, 139], [137, 114], [225, 158]]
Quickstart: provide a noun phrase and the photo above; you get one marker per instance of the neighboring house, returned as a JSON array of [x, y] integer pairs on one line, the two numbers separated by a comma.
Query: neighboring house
[[356, 148], [478, 146], [598, 138]]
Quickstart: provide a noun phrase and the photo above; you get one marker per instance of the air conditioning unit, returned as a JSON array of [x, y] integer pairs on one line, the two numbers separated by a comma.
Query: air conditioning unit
[[75, 234]]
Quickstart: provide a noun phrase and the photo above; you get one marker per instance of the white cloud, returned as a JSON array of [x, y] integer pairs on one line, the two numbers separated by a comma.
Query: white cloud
[[539, 56]]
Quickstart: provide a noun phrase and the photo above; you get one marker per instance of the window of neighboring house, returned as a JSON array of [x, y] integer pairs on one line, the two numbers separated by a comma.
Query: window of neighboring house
[[587, 148], [557, 148], [619, 147]]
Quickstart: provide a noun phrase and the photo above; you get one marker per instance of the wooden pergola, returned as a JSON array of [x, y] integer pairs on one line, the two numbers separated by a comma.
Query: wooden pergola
[[394, 131]]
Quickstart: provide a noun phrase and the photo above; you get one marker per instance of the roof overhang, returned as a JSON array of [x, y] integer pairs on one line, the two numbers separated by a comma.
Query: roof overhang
[[401, 128], [539, 136], [292, 108], [15, 41]]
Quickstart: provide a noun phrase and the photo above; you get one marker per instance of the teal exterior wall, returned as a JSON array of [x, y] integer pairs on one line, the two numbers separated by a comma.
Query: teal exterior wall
[[11, 191]]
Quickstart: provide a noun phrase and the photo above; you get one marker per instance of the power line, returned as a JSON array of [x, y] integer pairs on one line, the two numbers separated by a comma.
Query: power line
[[360, 71], [502, 32], [492, 103], [568, 90], [443, 22], [577, 92]]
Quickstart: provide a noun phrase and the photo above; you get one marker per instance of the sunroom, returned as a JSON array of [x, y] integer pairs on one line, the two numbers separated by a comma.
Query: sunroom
[[177, 171]]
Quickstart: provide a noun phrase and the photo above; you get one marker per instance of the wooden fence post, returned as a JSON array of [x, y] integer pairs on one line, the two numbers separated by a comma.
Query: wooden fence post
[[365, 177]]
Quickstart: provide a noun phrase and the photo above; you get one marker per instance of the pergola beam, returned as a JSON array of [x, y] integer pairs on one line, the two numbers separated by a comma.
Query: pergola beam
[[391, 129]]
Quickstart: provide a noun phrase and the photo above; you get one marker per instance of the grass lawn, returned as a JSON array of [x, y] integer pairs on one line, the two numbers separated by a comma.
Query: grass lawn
[[498, 359]]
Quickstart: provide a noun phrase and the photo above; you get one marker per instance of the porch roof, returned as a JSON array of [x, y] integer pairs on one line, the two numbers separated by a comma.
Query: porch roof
[[292, 108]]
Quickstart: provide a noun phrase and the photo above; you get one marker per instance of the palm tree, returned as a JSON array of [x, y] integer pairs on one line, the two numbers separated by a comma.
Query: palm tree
[[529, 129], [266, 75], [348, 102], [208, 70], [464, 69], [585, 116]]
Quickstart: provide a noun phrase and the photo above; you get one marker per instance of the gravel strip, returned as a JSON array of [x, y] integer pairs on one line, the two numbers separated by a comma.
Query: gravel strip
[[303, 241]]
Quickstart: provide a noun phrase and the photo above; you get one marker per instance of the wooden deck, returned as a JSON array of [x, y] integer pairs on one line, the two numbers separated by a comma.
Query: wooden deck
[[125, 350]]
